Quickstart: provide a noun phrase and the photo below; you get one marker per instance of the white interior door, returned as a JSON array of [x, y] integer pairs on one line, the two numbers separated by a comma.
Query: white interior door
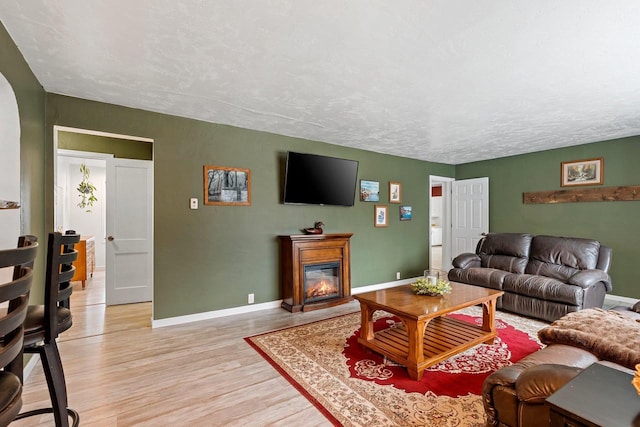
[[469, 214], [129, 245]]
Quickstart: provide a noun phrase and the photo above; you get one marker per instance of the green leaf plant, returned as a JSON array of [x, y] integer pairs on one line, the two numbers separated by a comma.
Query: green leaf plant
[[86, 189]]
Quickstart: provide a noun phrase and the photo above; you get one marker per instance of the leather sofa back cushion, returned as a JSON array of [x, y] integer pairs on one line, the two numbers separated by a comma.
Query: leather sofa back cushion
[[505, 251], [562, 257]]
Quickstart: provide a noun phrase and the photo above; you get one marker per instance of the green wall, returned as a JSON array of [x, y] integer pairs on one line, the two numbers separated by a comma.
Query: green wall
[[120, 148], [614, 224], [31, 105], [211, 258]]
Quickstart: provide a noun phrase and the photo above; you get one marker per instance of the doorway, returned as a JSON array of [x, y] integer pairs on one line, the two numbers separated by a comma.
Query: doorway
[[464, 218], [100, 152], [89, 220], [9, 166], [440, 222]]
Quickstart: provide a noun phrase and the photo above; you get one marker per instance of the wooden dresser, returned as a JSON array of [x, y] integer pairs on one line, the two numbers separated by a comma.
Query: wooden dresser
[[86, 262]]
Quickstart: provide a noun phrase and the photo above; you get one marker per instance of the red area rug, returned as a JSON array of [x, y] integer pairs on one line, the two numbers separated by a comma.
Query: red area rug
[[457, 376], [353, 386]]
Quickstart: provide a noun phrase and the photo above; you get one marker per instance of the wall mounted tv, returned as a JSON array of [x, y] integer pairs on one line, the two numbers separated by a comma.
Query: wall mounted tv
[[319, 180]]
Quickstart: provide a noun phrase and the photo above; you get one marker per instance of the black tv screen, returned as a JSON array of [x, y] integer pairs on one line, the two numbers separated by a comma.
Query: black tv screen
[[319, 180]]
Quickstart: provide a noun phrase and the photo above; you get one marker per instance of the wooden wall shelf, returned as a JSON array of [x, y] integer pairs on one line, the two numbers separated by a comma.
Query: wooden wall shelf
[[579, 195]]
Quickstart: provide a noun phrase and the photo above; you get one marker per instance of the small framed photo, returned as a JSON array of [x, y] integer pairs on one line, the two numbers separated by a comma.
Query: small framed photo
[[405, 213], [582, 172], [369, 191], [395, 192], [227, 186], [381, 216]]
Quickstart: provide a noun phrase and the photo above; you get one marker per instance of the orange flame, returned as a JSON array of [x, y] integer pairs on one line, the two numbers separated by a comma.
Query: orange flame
[[321, 289]]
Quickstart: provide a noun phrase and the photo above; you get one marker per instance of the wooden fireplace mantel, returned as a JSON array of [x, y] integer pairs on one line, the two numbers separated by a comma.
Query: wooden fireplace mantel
[[299, 250]]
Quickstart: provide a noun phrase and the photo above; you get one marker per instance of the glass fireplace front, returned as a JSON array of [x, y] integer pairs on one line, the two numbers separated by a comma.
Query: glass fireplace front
[[321, 281]]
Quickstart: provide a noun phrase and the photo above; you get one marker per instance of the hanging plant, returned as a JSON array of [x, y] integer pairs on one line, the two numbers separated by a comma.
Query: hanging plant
[[86, 190]]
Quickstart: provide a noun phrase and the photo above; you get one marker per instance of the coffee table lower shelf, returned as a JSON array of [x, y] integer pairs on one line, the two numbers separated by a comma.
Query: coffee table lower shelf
[[443, 337]]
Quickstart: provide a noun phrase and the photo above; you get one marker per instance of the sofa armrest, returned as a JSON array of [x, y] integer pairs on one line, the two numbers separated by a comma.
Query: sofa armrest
[[466, 260], [588, 278], [538, 382], [505, 379], [497, 386]]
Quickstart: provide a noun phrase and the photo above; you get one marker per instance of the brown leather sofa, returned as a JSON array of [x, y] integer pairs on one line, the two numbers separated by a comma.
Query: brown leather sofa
[[544, 277], [514, 396]]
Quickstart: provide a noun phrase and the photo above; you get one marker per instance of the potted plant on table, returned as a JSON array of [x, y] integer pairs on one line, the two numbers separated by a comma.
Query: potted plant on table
[[425, 286]]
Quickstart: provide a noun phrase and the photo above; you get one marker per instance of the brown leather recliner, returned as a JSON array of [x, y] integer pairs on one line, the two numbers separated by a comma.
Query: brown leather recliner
[[514, 396], [544, 277]]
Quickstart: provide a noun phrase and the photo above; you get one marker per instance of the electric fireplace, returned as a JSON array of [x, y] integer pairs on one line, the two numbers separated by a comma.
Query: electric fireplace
[[321, 282], [315, 270]]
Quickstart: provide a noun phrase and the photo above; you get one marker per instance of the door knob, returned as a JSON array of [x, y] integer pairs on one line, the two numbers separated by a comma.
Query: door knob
[[110, 238]]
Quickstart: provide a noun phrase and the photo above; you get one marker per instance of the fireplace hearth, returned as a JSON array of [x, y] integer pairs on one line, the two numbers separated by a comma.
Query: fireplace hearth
[[315, 270]]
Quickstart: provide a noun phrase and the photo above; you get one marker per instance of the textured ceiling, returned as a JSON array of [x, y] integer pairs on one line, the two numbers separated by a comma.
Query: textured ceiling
[[449, 81]]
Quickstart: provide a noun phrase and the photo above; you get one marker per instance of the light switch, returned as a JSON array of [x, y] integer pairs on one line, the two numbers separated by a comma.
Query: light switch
[[194, 203]]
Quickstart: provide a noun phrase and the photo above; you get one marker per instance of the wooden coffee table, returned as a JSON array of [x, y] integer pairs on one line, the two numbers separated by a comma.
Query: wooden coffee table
[[428, 336]]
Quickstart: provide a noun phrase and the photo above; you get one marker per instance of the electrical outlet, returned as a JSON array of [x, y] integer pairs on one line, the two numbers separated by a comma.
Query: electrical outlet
[[398, 275], [193, 203], [250, 298]]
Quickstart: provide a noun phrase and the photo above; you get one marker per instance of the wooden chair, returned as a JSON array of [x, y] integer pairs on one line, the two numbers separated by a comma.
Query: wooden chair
[[23, 241], [16, 294], [45, 322]]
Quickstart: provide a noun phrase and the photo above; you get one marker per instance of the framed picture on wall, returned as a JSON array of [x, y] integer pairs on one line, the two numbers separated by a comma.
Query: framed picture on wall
[[381, 216], [582, 172], [369, 191], [227, 186], [395, 192], [405, 213]]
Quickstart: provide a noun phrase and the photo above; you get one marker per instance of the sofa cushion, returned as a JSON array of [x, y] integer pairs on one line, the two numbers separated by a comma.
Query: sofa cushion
[[505, 251], [485, 277], [543, 288], [561, 257]]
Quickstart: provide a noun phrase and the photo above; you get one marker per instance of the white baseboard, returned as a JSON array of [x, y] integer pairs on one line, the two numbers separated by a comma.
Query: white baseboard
[[610, 300], [170, 321], [178, 320], [616, 299]]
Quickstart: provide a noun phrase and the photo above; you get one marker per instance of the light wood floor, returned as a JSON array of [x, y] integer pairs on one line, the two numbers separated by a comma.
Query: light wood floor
[[120, 372]]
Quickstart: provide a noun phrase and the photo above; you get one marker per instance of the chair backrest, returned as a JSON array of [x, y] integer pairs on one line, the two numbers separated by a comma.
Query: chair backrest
[[23, 241], [16, 293], [60, 270]]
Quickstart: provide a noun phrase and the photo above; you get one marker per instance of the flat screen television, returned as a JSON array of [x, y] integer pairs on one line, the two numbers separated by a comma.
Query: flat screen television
[[319, 180]]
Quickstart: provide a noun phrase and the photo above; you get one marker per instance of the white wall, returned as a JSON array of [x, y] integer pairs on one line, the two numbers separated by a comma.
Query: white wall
[[72, 217], [9, 168], [436, 211]]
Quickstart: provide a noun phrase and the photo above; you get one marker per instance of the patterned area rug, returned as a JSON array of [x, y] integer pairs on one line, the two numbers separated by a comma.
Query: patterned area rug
[[353, 386]]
